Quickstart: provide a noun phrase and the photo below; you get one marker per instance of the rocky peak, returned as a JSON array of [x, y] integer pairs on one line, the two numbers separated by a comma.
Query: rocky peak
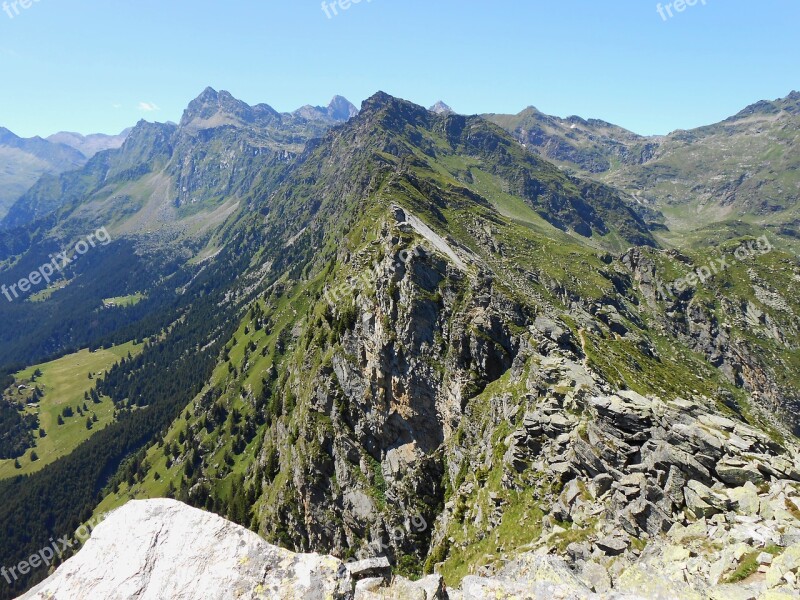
[[214, 109], [385, 112], [440, 108], [383, 102], [341, 109]]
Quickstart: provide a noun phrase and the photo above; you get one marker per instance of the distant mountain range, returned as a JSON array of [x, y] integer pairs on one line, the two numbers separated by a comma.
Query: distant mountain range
[[24, 160], [89, 145], [746, 168], [167, 176]]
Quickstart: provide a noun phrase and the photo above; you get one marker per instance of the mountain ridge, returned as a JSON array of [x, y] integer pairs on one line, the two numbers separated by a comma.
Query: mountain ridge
[[409, 317]]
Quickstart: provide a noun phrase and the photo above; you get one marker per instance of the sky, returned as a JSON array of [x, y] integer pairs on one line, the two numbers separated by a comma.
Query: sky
[[100, 66]]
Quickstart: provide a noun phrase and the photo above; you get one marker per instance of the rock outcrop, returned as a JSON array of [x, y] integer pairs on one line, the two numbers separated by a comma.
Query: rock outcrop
[[157, 549]]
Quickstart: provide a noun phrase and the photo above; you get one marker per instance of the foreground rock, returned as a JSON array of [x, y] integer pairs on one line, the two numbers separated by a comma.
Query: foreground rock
[[156, 549]]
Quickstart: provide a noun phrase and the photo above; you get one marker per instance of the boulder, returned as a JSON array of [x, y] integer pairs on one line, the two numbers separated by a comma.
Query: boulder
[[612, 546], [155, 549], [596, 577], [370, 568], [428, 588], [738, 472]]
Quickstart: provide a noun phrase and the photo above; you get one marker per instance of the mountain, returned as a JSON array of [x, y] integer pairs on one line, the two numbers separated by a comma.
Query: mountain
[[89, 145], [340, 109], [407, 336], [435, 351], [25, 160], [440, 108], [590, 146], [181, 180], [703, 180], [744, 168]]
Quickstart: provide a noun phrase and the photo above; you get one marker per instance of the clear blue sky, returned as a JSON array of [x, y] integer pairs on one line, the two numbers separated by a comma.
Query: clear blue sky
[[96, 65]]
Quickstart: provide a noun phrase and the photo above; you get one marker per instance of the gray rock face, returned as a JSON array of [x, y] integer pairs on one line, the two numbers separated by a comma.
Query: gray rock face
[[158, 549]]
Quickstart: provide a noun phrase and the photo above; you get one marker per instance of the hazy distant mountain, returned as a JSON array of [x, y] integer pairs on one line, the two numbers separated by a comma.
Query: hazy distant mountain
[[24, 160], [339, 109], [89, 145], [440, 108]]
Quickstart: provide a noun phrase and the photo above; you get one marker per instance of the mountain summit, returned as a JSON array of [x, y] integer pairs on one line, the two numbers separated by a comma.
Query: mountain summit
[[440, 108], [214, 109], [339, 109]]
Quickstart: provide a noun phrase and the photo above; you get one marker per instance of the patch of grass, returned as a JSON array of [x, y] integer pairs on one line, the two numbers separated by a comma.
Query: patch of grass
[[521, 525], [573, 535], [749, 564], [130, 300], [64, 382]]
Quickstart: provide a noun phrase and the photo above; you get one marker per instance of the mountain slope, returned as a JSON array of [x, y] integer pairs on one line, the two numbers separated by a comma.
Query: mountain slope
[[744, 168], [419, 340]]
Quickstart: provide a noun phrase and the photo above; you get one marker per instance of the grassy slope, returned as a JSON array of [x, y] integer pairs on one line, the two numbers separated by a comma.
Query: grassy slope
[[64, 382], [129, 300]]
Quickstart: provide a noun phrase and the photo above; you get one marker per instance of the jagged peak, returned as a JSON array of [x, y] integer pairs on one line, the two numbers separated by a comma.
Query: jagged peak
[[341, 109], [214, 108], [440, 108], [383, 103]]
